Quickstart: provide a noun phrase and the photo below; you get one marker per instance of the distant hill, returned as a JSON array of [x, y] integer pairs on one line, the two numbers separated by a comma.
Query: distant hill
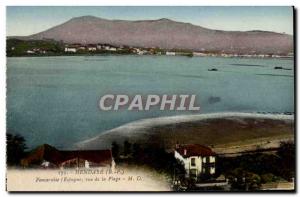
[[167, 34]]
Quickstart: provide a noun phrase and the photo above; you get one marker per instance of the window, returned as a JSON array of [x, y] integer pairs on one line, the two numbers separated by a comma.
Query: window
[[193, 173], [193, 162], [212, 170]]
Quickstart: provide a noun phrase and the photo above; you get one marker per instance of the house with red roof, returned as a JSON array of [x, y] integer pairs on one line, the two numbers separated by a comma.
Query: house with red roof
[[197, 159], [46, 156]]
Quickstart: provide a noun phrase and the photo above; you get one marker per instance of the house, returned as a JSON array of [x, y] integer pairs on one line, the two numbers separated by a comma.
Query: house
[[99, 46], [30, 52], [87, 159], [111, 48], [71, 49], [197, 159], [82, 48], [135, 50], [92, 48], [199, 54], [46, 156], [141, 53], [107, 47], [170, 53]]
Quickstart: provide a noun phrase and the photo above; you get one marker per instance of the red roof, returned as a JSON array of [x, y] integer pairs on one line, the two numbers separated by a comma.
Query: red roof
[[189, 150], [51, 154]]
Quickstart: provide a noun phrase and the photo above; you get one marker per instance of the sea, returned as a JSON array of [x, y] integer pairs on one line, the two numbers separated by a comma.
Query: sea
[[55, 100]]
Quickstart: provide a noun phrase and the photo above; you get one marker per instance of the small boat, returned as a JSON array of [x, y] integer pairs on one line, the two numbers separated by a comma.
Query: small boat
[[278, 67], [213, 69]]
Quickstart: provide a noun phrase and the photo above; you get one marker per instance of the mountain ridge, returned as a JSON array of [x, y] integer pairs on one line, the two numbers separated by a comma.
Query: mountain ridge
[[165, 33]]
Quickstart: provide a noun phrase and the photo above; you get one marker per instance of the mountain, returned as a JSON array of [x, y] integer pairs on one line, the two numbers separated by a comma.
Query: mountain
[[167, 34]]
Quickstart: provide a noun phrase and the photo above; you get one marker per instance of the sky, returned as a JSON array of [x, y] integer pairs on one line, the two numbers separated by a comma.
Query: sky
[[27, 20]]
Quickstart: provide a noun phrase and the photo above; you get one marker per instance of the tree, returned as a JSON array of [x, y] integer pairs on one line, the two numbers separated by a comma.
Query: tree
[[15, 148], [136, 150], [127, 148], [268, 177], [242, 180], [286, 153]]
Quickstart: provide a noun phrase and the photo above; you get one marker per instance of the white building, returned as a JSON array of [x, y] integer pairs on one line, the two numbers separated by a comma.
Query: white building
[[99, 47], [170, 53], [81, 48], [110, 48], [199, 54], [30, 52], [92, 48], [197, 159], [70, 49]]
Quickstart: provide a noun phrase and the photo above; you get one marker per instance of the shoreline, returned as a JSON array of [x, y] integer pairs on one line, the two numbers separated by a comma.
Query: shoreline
[[141, 127], [90, 55]]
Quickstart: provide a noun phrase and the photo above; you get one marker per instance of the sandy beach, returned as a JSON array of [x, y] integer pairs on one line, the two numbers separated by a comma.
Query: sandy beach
[[224, 132]]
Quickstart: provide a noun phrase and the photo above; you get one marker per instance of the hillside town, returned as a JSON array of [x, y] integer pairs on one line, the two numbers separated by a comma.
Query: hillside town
[[17, 47]]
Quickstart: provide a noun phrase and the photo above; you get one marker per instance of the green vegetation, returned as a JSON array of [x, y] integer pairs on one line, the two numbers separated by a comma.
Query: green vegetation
[[15, 149], [48, 47], [245, 173], [16, 47], [154, 157], [249, 171]]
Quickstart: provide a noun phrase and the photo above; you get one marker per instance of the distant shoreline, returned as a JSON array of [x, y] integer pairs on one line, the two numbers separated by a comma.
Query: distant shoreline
[[104, 55], [40, 48]]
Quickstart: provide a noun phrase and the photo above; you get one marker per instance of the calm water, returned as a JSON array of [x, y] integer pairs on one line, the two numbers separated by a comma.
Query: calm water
[[54, 100]]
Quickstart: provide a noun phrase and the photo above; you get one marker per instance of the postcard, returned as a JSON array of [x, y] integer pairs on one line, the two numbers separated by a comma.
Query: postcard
[[150, 99]]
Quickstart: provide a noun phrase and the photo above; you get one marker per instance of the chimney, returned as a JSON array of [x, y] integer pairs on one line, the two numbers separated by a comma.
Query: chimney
[[184, 152]]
